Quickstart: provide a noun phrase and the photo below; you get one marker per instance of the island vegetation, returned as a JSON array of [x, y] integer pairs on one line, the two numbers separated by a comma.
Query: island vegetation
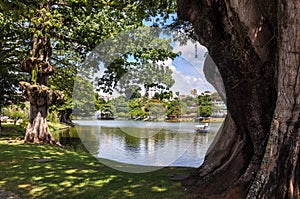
[[161, 107]]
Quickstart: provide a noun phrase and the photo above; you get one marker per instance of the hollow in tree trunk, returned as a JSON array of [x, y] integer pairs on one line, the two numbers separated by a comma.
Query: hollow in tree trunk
[[256, 47]]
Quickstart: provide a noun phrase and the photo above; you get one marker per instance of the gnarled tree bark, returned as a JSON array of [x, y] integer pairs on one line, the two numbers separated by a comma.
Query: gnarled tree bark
[[37, 92], [40, 97], [256, 47]]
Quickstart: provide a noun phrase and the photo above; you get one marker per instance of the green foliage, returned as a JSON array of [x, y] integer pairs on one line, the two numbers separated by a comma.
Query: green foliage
[[87, 23], [11, 51], [215, 96], [136, 94], [135, 58], [52, 117], [163, 95], [104, 108], [205, 105], [24, 123], [136, 109], [84, 99], [174, 108], [63, 80], [156, 110], [189, 105], [75, 28], [34, 74], [15, 112], [120, 104], [142, 108]]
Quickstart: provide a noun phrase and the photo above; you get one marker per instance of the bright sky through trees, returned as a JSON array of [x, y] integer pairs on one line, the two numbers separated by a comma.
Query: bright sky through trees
[[187, 68]]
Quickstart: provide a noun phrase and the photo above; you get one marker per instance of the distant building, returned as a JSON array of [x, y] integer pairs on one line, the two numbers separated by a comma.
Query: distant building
[[206, 93], [219, 108], [182, 96], [194, 92], [106, 97], [152, 91]]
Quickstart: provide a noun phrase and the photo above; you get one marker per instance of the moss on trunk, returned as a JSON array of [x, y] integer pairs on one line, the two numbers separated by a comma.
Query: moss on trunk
[[37, 91]]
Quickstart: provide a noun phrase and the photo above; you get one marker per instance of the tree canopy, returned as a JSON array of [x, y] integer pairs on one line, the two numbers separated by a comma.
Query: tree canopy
[[13, 46], [75, 28]]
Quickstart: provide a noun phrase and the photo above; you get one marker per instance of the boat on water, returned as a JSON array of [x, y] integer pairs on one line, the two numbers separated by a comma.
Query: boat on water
[[201, 128]]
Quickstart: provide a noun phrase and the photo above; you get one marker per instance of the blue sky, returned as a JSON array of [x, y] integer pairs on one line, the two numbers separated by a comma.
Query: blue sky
[[188, 68]]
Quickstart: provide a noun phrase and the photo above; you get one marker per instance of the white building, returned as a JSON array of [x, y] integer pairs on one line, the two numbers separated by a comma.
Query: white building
[[219, 108], [152, 91]]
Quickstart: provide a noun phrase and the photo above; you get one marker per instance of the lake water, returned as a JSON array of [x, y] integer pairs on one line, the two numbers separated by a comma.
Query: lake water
[[156, 144]]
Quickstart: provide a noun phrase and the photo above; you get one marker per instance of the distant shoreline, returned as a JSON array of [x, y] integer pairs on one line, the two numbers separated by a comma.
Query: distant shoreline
[[210, 120]]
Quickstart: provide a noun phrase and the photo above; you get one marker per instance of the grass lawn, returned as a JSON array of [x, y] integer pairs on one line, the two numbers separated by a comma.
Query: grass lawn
[[76, 175]]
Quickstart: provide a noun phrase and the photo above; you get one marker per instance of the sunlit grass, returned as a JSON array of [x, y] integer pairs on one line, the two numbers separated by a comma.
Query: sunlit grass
[[55, 126], [77, 175], [159, 189]]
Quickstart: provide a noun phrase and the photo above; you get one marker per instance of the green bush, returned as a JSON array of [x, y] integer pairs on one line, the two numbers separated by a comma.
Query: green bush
[[15, 113], [24, 123], [52, 117]]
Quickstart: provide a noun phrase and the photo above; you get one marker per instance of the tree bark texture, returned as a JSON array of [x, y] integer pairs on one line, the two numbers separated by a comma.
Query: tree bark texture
[[64, 116], [40, 97], [37, 92], [256, 47]]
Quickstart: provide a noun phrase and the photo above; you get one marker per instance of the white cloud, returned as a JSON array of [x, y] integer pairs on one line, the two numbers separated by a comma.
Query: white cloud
[[188, 68], [191, 51], [168, 62]]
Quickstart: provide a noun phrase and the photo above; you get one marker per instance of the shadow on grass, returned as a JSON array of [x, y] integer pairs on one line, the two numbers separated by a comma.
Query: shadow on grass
[[77, 175]]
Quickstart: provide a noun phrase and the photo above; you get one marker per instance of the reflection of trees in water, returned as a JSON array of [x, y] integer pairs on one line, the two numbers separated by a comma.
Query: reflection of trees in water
[[89, 136], [201, 142], [138, 139], [149, 143], [70, 139], [131, 143], [129, 138], [201, 139]]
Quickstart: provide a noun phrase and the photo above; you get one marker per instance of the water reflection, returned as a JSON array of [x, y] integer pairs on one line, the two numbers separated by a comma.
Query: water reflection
[[149, 145], [71, 139]]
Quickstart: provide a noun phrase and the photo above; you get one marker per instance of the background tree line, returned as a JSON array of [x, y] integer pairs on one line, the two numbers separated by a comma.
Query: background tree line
[[160, 107]]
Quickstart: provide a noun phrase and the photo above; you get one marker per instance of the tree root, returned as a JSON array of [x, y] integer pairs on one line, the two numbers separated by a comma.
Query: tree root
[[38, 132]]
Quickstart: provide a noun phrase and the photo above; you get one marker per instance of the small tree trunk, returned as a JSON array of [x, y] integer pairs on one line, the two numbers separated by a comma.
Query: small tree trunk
[[64, 115]]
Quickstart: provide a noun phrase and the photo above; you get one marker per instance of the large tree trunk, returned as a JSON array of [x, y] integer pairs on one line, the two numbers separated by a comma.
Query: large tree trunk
[[256, 47], [37, 92], [40, 97]]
